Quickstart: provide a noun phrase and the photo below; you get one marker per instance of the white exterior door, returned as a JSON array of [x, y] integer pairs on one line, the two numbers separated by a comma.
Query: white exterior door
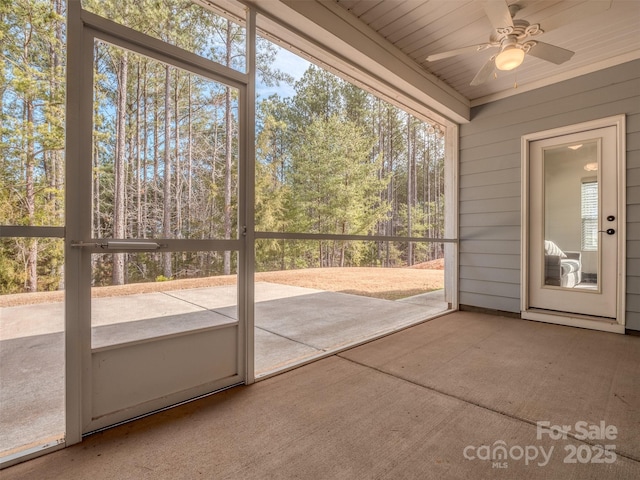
[[573, 259]]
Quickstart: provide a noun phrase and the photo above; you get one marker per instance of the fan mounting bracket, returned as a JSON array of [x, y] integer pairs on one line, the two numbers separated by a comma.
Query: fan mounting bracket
[[521, 30]]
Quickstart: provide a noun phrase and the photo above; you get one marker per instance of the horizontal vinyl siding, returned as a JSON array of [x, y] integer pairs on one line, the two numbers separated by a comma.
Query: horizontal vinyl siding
[[490, 172], [490, 205], [633, 217], [493, 274]]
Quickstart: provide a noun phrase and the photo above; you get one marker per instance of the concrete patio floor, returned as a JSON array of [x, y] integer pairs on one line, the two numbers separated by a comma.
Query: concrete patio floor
[[435, 401], [293, 325]]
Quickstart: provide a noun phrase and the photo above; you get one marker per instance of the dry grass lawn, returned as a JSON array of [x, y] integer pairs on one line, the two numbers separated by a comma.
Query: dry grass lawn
[[386, 283]]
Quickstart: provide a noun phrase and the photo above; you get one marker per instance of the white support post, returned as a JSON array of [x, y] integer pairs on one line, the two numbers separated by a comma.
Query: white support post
[[249, 162]]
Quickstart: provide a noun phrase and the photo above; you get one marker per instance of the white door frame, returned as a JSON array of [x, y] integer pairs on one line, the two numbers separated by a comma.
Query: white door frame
[[617, 326]]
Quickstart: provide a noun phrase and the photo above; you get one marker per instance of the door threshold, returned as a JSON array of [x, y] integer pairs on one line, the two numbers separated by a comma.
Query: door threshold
[[19, 455], [573, 320]]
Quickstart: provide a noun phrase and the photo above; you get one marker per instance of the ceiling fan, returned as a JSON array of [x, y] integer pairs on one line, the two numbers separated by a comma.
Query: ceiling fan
[[515, 36]]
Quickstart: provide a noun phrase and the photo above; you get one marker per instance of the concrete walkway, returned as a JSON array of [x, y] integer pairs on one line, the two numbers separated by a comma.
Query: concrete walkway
[[293, 325]]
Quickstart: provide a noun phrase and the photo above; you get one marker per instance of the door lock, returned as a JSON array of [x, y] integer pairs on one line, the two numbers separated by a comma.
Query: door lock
[[611, 218]]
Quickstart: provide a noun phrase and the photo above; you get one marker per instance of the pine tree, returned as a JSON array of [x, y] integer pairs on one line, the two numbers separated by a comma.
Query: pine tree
[[31, 135]]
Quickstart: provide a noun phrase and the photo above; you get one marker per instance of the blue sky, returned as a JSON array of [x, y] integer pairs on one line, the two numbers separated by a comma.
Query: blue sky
[[289, 63]]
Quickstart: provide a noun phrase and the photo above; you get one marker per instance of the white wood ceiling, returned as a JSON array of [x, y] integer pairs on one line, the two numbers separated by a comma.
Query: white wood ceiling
[[422, 27]]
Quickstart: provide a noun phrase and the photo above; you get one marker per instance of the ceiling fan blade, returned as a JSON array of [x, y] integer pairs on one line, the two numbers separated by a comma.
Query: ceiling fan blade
[[572, 14], [458, 51], [484, 73], [498, 13], [550, 53]]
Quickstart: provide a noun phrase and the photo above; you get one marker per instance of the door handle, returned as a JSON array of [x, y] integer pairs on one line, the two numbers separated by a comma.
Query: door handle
[[119, 245], [608, 231]]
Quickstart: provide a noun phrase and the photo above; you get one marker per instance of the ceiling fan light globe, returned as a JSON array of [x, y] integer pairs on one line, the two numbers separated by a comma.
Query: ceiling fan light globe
[[509, 58]]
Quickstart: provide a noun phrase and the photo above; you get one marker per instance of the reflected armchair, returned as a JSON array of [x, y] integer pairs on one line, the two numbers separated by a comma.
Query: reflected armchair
[[563, 269]]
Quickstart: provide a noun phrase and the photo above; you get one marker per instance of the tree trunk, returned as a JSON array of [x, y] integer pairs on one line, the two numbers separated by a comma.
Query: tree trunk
[[166, 221], [227, 179], [145, 182], [119, 167], [228, 158], [30, 199], [381, 175], [429, 201], [57, 167], [178, 195], [156, 154], [390, 188], [343, 245], [409, 191], [189, 160], [138, 177]]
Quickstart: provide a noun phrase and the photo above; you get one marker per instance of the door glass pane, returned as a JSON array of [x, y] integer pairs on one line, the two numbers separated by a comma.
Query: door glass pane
[[571, 216], [165, 159]]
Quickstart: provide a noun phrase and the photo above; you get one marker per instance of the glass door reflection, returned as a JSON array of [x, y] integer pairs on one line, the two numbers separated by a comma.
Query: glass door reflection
[[571, 216]]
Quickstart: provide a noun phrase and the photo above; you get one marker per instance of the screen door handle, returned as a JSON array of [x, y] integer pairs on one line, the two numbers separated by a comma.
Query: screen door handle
[[608, 231], [119, 245]]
